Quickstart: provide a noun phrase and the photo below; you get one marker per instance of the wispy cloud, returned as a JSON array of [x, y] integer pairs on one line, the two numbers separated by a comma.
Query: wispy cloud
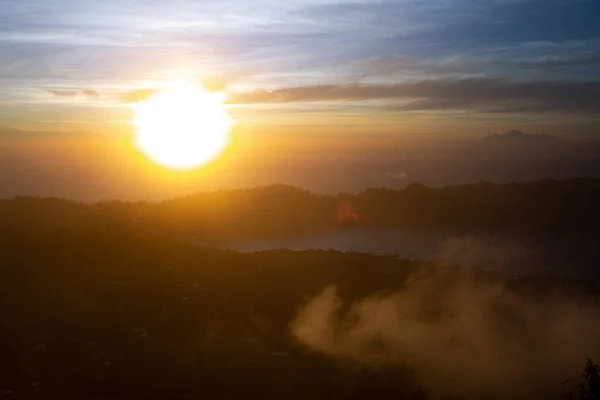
[[485, 56], [68, 93], [481, 94]]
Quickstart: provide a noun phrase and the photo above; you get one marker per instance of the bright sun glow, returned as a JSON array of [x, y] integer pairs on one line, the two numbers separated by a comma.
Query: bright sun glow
[[183, 126]]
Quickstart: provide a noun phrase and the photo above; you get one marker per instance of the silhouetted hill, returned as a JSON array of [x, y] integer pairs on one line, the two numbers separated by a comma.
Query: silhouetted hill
[[519, 138], [541, 206]]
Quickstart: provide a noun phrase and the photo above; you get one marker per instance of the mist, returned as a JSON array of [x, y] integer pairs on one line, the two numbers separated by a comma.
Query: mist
[[463, 332]]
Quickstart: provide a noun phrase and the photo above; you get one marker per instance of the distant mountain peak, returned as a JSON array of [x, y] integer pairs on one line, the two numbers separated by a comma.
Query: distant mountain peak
[[416, 187], [515, 136], [515, 133]]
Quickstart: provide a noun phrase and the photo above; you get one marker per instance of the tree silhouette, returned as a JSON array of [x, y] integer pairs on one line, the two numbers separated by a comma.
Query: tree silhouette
[[588, 387]]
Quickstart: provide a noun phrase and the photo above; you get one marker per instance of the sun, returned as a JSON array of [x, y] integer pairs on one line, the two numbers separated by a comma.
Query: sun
[[183, 126]]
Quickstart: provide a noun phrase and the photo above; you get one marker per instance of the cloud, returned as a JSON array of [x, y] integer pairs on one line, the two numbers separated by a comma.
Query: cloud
[[472, 252], [212, 84], [553, 63], [74, 93], [404, 64], [464, 333], [564, 60], [478, 94], [313, 42], [121, 96]]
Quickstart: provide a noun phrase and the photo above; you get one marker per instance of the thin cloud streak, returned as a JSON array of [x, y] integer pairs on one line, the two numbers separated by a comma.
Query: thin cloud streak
[[447, 94]]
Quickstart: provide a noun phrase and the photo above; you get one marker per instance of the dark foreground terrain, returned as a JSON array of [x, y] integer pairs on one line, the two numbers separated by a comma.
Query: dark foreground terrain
[[110, 315], [110, 300]]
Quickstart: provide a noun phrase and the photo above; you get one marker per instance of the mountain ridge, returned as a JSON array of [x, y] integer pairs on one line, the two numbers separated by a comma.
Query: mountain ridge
[[518, 137]]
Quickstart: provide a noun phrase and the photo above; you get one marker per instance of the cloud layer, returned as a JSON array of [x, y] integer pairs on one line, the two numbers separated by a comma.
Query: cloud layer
[[463, 333], [480, 94], [512, 57]]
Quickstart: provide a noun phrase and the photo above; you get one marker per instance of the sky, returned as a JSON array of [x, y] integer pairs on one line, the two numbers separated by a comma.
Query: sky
[[302, 75]]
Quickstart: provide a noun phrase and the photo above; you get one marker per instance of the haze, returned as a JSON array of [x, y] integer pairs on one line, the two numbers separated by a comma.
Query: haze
[[348, 89]]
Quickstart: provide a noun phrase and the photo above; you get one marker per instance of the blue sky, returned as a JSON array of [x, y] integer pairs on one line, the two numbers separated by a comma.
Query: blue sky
[[67, 64]]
